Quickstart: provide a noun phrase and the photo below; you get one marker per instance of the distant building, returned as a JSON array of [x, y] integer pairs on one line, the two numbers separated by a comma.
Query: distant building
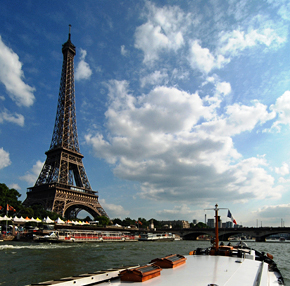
[[185, 224], [229, 224], [194, 221], [210, 222], [176, 223], [238, 226]]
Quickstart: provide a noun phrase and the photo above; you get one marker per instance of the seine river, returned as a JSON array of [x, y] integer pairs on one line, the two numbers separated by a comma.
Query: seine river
[[23, 263]]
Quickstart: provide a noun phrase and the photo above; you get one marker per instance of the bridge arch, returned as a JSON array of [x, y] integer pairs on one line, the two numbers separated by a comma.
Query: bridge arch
[[194, 235]]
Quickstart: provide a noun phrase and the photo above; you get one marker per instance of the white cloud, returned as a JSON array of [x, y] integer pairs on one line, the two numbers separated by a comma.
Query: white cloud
[[239, 118], [150, 40], [163, 31], [4, 159], [283, 170], [274, 213], [11, 75], [284, 10], [223, 88], [14, 186], [16, 118], [282, 108], [283, 180], [114, 210], [155, 78], [83, 70], [181, 149], [203, 60], [32, 175], [177, 212], [124, 52], [231, 43], [170, 29]]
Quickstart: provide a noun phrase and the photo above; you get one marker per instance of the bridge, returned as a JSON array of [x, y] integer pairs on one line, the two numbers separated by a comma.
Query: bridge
[[259, 233]]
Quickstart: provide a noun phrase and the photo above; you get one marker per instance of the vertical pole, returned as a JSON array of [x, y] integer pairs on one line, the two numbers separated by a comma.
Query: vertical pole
[[216, 228], [6, 219], [69, 34]]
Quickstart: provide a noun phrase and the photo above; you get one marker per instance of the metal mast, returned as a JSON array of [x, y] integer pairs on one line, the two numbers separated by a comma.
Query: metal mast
[[63, 168]]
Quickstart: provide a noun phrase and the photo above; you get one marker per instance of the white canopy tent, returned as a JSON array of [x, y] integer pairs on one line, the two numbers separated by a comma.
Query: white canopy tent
[[19, 219], [5, 218], [48, 220], [59, 220]]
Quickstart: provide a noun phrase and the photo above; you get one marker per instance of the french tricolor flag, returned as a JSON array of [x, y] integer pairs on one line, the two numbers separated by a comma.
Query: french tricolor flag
[[231, 217]]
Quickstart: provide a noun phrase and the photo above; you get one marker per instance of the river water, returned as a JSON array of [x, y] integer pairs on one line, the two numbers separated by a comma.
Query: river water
[[23, 263]]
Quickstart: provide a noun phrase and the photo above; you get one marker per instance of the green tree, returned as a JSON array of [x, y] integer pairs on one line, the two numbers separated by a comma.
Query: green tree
[[103, 220], [200, 225], [144, 222], [128, 221], [10, 197], [117, 221]]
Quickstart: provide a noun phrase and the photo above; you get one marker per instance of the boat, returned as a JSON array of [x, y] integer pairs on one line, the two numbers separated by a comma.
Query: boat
[[84, 236], [157, 236], [8, 237], [217, 265]]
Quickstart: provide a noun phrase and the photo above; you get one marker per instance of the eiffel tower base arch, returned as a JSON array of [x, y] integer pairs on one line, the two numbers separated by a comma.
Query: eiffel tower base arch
[[63, 201]]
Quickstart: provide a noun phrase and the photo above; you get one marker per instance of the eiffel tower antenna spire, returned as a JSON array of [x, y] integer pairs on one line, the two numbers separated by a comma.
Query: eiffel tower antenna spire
[[62, 185]]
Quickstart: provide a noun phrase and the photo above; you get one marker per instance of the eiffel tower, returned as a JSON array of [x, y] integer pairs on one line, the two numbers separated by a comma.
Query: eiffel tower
[[63, 186]]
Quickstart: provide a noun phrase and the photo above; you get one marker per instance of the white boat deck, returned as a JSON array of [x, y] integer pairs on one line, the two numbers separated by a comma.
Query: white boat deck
[[203, 270], [209, 270]]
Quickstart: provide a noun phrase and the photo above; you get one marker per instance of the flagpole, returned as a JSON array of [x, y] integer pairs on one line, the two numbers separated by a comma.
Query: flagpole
[[6, 219], [216, 243], [216, 228]]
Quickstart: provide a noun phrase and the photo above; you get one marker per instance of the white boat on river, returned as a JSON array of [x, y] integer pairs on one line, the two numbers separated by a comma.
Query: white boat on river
[[157, 236], [218, 265]]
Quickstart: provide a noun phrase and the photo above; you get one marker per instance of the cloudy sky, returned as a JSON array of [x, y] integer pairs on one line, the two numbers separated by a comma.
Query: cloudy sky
[[180, 104]]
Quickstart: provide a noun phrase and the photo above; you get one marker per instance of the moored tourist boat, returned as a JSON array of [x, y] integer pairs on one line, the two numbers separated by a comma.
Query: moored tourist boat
[[84, 236], [157, 236], [217, 265]]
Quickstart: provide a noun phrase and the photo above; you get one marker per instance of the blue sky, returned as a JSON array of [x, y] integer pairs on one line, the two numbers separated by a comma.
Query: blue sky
[[180, 104]]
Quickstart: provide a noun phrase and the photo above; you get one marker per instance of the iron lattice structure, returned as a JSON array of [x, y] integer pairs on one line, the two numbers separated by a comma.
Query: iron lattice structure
[[63, 186]]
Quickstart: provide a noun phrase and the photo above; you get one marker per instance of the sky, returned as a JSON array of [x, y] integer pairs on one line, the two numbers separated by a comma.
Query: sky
[[180, 104]]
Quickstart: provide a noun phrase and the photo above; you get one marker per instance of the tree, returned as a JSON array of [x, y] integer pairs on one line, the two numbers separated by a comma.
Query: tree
[[142, 222], [200, 225], [9, 197], [117, 221], [128, 221], [103, 220]]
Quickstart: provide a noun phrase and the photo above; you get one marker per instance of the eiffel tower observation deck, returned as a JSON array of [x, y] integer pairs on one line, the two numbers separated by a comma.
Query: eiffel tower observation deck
[[63, 186]]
